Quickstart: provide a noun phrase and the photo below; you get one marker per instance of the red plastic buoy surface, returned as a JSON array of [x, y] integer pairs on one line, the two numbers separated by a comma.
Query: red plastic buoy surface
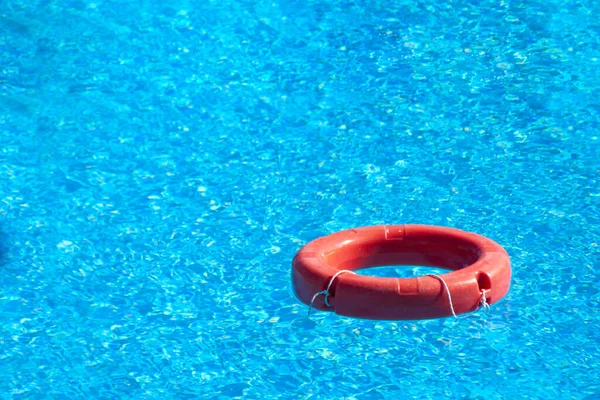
[[480, 267]]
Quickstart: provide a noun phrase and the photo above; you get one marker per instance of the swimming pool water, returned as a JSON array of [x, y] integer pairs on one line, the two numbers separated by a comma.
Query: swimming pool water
[[161, 164]]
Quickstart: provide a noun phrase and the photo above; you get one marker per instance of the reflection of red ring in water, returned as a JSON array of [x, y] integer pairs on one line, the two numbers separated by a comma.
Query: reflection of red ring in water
[[481, 269]]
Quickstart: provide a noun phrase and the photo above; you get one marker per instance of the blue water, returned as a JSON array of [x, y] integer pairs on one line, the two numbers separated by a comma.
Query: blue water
[[162, 162]]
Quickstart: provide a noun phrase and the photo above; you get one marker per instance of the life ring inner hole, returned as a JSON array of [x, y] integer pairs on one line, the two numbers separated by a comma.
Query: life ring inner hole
[[401, 271], [446, 252]]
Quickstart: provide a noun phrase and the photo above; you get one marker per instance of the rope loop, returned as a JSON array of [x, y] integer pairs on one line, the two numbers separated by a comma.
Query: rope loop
[[482, 300], [326, 292], [447, 292]]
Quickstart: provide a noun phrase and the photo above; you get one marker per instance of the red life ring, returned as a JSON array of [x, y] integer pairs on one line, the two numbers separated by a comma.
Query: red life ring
[[481, 271]]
